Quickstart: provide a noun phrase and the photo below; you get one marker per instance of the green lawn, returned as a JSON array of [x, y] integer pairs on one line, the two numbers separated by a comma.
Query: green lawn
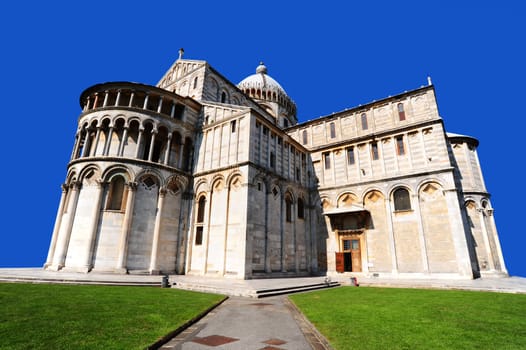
[[44, 316], [390, 318]]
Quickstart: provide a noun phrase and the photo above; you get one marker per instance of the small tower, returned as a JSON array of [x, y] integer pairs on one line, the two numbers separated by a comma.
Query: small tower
[[268, 93]]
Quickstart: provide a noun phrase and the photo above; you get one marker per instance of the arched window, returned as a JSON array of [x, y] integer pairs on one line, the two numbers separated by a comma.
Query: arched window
[[288, 209], [304, 137], [401, 112], [364, 121], [401, 199], [223, 97], [400, 149], [333, 130], [201, 210], [301, 210], [200, 220], [116, 194], [195, 82], [374, 151]]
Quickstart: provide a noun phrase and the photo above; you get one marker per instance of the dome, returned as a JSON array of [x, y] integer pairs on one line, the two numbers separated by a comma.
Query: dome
[[261, 80], [263, 88]]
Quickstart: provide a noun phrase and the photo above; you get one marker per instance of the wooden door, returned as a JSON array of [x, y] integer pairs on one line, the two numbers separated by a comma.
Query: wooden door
[[340, 262], [356, 255]]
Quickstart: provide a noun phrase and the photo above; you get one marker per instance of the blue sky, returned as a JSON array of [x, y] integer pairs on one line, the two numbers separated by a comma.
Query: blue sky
[[328, 56]]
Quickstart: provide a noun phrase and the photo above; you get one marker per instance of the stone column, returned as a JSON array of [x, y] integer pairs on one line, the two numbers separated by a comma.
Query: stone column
[[105, 103], [96, 143], [160, 106], [86, 106], [172, 110], [96, 100], [282, 230], [167, 151], [86, 143], [421, 234], [56, 228], [145, 104], [154, 269], [152, 144], [458, 233], [489, 253], [107, 144], [65, 229], [180, 157], [118, 99], [293, 216], [123, 142], [493, 227], [126, 227], [92, 231], [76, 146], [268, 267], [390, 232], [132, 95], [139, 141]]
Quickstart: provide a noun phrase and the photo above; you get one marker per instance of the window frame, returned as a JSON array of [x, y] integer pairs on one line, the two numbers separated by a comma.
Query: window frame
[[401, 203], [400, 146], [401, 112], [365, 125], [375, 152]]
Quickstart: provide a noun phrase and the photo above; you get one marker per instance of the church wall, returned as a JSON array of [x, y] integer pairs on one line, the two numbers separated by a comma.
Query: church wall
[[171, 236], [466, 160], [237, 255], [107, 243], [223, 142], [257, 212], [275, 229], [217, 231], [437, 229], [407, 242], [142, 228], [477, 236], [382, 116], [377, 235], [79, 242]]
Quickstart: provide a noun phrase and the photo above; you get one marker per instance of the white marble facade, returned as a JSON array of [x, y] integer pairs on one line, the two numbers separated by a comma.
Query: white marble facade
[[200, 176]]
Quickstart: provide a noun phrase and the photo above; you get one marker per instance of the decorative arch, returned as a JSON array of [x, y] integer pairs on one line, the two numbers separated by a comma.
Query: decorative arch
[[373, 195], [89, 171], [425, 182], [153, 174], [174, 185], [326, 203], [201, 186], [346, 199], [429, 189], [218, 183], [234, 180], [116, 170]]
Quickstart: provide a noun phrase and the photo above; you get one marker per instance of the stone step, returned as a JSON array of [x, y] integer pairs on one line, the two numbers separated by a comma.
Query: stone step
[[79, 281], [297, 289]]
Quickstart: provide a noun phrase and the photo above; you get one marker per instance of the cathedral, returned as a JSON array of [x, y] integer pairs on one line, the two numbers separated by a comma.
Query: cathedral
[[201, 176]]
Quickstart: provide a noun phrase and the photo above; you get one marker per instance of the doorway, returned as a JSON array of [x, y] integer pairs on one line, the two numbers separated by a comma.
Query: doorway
[[349, 259]]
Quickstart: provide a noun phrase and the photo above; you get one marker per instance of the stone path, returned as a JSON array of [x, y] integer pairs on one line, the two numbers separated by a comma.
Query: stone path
[[246, 323]]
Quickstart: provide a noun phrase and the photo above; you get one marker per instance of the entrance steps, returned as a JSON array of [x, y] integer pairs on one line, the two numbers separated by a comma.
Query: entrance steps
[[257, 288]]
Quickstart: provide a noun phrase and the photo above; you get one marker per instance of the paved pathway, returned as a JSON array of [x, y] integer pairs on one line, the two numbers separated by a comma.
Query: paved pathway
[[246, 323]]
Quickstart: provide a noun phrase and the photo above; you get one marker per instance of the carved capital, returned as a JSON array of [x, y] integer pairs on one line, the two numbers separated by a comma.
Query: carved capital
[[132, 186], [64, 187], [162, 191]]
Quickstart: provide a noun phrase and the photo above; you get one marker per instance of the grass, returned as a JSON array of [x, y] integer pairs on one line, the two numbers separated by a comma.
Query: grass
[[45, 316], [389, 318]]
